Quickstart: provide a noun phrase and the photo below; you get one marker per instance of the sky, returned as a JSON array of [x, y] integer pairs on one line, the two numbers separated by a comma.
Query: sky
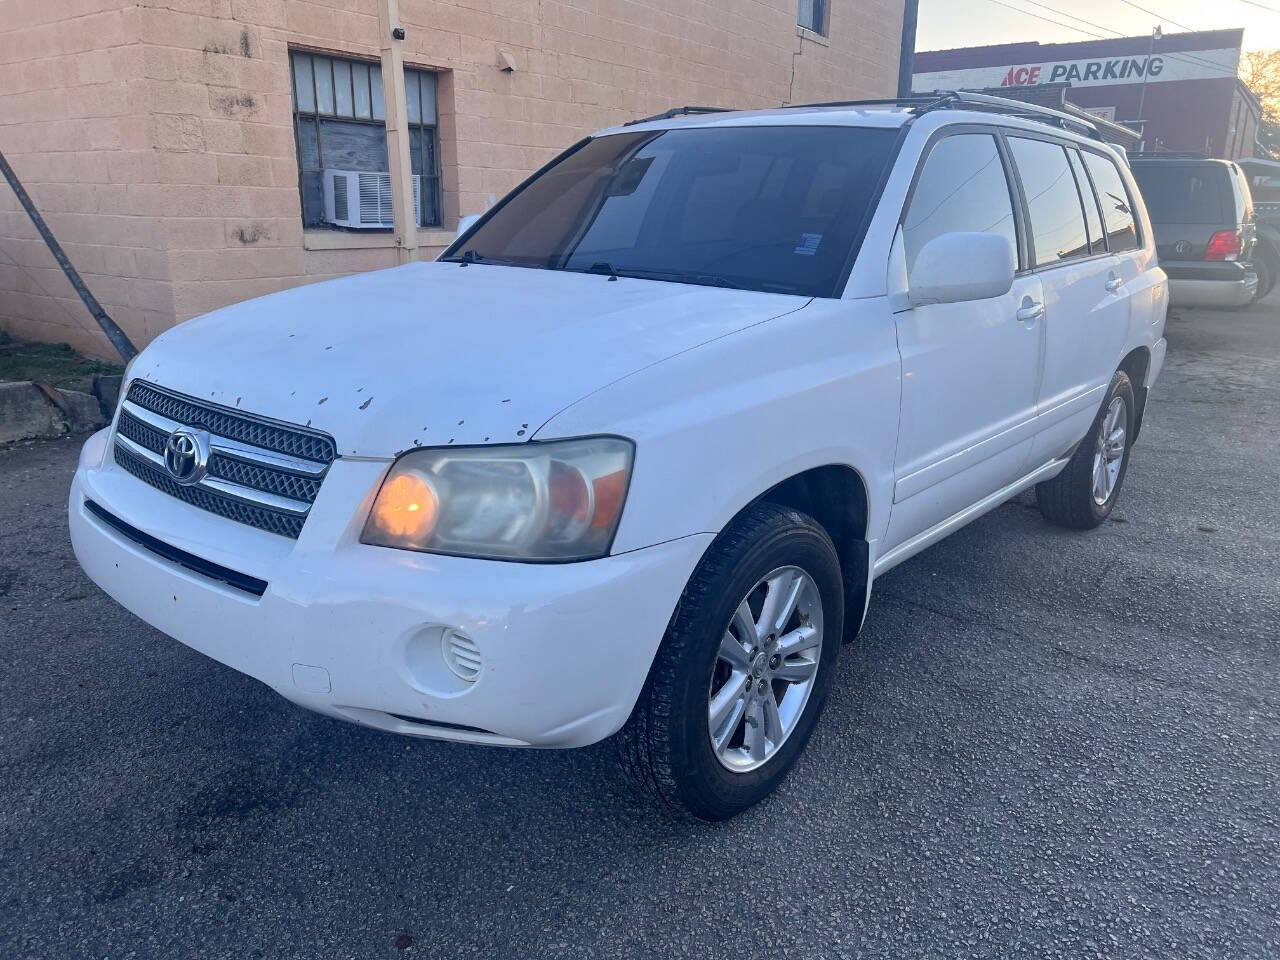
[[971, 23]]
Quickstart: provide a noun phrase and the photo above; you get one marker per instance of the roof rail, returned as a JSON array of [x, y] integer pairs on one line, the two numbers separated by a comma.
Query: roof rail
[[1014, 108], [1167, 155], [926, 103], [912, 101], [678, 112], [964, 99]]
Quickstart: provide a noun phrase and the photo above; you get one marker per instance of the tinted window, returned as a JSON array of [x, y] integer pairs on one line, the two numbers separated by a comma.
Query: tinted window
[[1182, 194], [1117, 208], [962, 188], [764, 208], [1092, 215], [1053, 203]]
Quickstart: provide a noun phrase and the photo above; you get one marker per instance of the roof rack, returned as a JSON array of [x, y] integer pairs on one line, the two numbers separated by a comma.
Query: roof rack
[[926, 103], [1167, 155], [968, 100], [912, 101], [678, 112]]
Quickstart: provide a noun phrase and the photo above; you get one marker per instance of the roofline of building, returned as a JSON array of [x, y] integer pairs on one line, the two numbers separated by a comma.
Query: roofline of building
[[1031, 51]]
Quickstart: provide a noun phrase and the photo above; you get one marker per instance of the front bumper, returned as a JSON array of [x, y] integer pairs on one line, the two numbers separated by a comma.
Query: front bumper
[[356, 631]]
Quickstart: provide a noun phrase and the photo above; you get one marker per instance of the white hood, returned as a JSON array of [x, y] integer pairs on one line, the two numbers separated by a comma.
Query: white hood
[[435, 353]]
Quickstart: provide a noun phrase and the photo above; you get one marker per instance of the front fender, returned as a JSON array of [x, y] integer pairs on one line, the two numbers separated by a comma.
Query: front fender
[[718, 425]]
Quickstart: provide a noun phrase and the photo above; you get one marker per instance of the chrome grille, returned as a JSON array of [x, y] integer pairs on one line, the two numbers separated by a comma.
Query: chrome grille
[[269, 520], [234, 425], [260, 478], [261, 473]]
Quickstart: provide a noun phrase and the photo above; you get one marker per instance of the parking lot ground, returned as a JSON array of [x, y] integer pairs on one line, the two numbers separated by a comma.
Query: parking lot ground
[[1046, 744]]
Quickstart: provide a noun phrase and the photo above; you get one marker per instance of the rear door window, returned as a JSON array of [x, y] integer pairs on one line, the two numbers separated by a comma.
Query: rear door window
[[1092, 212], [962, 187], [1053, 203], [1117, 207]]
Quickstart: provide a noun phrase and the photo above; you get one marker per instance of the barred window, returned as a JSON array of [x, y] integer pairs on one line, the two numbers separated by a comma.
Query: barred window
[[420, 91], [339, 113], [812, 15]]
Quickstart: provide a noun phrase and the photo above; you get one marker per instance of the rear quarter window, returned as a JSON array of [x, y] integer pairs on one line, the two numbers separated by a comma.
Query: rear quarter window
[[1117, 205], [1243, 197]]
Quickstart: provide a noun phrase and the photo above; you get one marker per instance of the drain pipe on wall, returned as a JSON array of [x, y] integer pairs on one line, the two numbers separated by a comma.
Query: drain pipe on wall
[[124, 346], [404, 213], [907, 58]]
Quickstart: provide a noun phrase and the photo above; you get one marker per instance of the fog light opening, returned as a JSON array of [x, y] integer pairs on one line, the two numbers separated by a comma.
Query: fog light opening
[[461, 656]]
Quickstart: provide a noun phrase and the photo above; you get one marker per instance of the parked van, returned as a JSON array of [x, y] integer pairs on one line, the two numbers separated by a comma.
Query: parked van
[[1202, 214]]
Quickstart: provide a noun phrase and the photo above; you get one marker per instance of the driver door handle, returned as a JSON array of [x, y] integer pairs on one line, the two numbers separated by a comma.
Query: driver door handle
[[1030, 311], [1114, 283]]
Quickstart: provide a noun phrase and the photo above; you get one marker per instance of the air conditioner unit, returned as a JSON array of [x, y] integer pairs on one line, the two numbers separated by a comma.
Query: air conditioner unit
[[362, 200]]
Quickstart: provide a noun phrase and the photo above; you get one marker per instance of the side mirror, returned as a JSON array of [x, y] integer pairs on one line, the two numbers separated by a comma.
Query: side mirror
[[956, 267], [466, 223]]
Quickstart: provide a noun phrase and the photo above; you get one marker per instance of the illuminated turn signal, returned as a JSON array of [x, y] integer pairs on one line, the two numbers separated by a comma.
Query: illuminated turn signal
[[406, 509], [611, 491]]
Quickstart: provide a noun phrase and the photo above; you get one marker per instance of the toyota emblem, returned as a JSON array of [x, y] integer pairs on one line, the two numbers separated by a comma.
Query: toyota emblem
[[186, 455]]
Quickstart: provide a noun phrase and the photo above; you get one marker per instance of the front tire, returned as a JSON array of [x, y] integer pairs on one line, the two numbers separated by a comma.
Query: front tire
[[1085, 492], [744, 669]]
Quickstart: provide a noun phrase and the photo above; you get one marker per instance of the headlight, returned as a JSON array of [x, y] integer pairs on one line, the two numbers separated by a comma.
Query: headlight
[[532, 501]]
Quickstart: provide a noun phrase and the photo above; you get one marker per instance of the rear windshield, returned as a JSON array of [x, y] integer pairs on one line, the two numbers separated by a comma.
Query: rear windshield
[[1183, 194], [779, 209]]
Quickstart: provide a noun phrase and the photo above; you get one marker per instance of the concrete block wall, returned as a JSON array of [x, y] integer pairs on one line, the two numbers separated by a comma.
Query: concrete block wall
[[157, 135], [70, 125]]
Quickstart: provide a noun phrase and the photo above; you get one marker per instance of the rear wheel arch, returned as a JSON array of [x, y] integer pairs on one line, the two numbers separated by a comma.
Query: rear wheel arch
[[1136, 363]]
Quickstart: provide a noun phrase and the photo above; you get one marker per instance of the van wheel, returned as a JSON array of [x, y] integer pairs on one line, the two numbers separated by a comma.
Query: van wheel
[[1084, 493], [744, 669], [1265, 269]]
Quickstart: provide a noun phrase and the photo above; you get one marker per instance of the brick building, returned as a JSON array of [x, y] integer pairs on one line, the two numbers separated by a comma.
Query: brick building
[[193, 153]]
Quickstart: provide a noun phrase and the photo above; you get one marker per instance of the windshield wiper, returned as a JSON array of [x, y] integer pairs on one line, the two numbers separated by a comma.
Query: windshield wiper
[[468, 256], [471, 256], [714, 280], [640, 273], [675, 276], [601, 266]]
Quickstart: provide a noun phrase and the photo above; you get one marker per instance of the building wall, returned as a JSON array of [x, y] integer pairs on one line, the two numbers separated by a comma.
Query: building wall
[[157, 135], [70, 123]]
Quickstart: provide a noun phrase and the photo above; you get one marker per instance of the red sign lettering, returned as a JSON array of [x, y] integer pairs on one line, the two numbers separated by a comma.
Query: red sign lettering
[[1021, 76]]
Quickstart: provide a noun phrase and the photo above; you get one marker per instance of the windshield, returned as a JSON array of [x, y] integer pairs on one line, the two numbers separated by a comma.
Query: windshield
[[777, 209]]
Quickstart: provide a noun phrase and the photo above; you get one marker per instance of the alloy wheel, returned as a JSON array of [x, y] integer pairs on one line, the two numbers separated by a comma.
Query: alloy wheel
[[1108, 455], [765, 669]]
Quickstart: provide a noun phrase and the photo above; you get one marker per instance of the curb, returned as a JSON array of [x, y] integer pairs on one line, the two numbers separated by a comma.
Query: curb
[[32, 409]]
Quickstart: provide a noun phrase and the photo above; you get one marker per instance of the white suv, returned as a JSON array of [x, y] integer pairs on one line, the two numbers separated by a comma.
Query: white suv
[[627, 458]]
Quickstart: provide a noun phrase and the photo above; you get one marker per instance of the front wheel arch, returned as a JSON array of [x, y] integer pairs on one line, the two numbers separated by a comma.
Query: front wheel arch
[[836, 496]]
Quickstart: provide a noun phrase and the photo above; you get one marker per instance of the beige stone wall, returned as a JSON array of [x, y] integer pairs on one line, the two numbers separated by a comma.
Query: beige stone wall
[[69, 125], [157, 135]]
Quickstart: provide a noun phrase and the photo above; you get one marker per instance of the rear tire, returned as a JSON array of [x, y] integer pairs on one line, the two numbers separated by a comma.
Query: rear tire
[[1085, 492], [703, 739], [1265, 267]]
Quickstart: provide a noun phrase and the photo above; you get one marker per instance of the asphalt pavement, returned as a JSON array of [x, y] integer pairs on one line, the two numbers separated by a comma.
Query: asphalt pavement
[[1045, 744]]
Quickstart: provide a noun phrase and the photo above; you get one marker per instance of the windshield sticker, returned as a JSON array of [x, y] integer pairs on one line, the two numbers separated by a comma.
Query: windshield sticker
[[808, 244]]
